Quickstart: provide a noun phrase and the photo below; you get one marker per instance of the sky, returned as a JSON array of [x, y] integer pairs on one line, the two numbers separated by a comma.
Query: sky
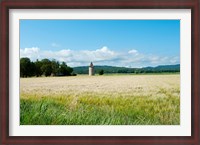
[[125, 43]]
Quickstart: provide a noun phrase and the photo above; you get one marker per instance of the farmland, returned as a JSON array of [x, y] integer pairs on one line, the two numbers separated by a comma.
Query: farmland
[[101, 100]]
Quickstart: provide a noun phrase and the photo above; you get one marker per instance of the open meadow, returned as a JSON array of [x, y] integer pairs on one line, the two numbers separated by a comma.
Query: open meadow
[[101, 100]]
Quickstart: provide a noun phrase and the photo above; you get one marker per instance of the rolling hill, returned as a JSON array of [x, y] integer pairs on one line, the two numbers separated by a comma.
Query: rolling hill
[[114, 69]]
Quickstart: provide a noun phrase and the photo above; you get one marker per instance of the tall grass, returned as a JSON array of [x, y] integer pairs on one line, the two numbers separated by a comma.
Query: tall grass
[[90, 109]]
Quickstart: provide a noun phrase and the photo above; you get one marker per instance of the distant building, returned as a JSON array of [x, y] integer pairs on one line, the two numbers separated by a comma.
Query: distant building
[[91, 69]]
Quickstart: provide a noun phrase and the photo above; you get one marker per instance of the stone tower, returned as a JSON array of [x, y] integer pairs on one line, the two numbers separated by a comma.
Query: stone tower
[[91, 69]]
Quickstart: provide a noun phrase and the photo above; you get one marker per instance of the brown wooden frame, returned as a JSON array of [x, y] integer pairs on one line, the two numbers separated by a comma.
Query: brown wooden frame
[[194, 5]]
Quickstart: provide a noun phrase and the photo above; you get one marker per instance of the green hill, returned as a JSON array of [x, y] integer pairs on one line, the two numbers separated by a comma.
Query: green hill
[[114, 69]]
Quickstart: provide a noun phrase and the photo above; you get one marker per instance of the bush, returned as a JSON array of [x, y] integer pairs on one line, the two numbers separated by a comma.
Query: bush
[[101, 72], [74, 74]]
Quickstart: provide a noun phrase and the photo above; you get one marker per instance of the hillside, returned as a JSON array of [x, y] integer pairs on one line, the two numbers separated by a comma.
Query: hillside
[[114, 69]]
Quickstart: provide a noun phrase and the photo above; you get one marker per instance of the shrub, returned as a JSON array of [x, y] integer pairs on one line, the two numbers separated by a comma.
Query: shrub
[[101, 72]]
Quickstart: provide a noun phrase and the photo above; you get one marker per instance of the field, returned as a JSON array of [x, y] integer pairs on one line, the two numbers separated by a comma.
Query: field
[[101, 100]]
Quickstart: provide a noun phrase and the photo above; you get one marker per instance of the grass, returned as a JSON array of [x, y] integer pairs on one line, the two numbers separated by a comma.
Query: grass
[[125, 100]]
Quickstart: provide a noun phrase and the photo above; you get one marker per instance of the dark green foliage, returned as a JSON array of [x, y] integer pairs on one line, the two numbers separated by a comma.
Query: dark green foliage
[[26, 67], [101, 72], [38, 65], [55, 67], [44, 67], [65, 70], [74, 74]]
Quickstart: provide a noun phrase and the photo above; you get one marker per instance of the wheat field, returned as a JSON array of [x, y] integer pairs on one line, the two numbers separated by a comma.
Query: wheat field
[[101, 100]]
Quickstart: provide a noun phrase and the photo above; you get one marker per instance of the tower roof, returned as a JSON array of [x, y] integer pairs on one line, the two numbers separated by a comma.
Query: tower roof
[[91, 64]]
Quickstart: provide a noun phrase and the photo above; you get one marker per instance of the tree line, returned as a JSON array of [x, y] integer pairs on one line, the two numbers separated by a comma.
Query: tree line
[[44, 67], [114, 69]]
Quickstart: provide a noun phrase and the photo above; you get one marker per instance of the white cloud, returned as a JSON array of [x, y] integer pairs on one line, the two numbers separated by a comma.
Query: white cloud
[[102, 56], [133, 51], [30, 52]]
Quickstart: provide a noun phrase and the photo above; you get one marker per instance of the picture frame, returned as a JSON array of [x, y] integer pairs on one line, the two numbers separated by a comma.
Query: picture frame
[[194, 139]]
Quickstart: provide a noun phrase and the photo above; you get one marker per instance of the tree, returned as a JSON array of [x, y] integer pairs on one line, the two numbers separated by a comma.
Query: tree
[[69, 71], [26, 67], [55, 67], [43, 67], [38, 65], [46, 67], [101, 72], [65, 70]]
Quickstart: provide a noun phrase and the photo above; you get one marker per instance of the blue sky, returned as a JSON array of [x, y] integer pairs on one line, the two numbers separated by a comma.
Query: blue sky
[[130, 43]]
